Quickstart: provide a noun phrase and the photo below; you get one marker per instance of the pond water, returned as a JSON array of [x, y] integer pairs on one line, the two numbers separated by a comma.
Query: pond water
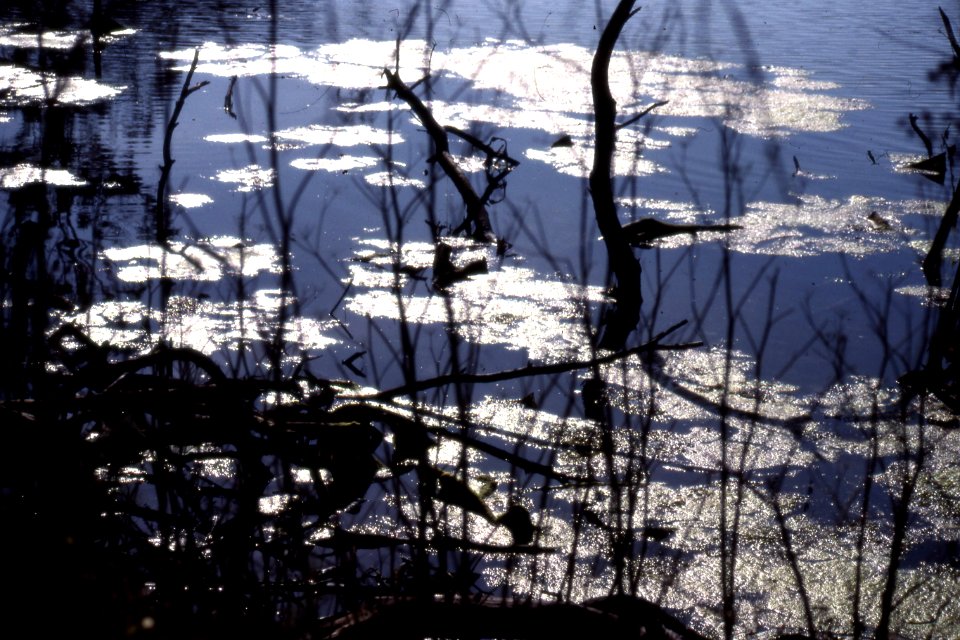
[[303, 198]]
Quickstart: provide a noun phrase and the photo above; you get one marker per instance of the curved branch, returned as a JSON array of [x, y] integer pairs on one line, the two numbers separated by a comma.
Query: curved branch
[[476, 211], [625, 315]]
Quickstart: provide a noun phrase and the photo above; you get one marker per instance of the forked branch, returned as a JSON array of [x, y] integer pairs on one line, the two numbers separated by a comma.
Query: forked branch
[[161, 218], [476, 210]]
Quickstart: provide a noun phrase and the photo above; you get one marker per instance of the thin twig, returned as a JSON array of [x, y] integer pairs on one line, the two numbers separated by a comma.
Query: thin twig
[[161, 219], [630, 121], [529, 371]]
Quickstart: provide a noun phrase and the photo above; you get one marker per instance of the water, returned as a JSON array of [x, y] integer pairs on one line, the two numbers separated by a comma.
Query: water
[[293, 209]]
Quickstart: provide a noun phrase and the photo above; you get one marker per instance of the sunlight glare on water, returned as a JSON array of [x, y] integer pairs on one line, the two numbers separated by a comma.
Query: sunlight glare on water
[[250, 178], [212, 261], [342, 136], [190, 200], [24, 174], [511, 305], [803, 437], [29, 87]]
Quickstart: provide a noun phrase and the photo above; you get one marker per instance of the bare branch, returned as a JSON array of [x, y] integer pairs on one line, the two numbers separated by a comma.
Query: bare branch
[[950, 34], [630, 121], [476, 211], [161, 218], [529, 371], [625, 314]]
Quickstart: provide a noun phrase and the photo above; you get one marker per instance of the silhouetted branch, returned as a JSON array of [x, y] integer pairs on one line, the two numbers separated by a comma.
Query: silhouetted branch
[[529, 371], [476, 211], [786, 539], [934, 257], [950, 34], [161, 220], [483, 146], [354, 540], [625, 315], [898, 542], [630, 121], [613, 617], [408, 427], [923, 137]]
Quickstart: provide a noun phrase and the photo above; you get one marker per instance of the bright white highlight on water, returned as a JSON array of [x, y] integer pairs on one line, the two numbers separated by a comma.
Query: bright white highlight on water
[[24, 174], [28, 87], [208, 261], [236, 138], [342, 164], [249, 178], [190, 200], [341, 136]]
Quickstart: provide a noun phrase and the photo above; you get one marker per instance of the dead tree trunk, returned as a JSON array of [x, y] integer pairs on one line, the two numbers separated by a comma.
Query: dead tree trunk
[[624, 316]]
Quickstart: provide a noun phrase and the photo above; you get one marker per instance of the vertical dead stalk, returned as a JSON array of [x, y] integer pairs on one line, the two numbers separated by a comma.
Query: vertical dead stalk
[[161, 216], [625, 315]]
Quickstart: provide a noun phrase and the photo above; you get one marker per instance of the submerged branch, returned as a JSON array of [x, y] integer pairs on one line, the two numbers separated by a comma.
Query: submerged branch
[[646, 230]]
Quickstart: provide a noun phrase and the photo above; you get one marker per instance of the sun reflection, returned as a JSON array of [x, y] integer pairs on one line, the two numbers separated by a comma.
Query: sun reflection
[[27, 87], [341, 164], [512, 306], [212, 328], [190, 200], [811, 226], [24, 174], [249, 178], [341, 136], [558, 75], [236, 138], [547, 88], [209, 261], [391, 179], [11, 36]]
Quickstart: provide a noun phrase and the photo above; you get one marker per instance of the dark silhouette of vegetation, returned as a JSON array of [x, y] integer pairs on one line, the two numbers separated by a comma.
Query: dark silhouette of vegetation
[[624, 317], [165, 492], [162, 215]]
